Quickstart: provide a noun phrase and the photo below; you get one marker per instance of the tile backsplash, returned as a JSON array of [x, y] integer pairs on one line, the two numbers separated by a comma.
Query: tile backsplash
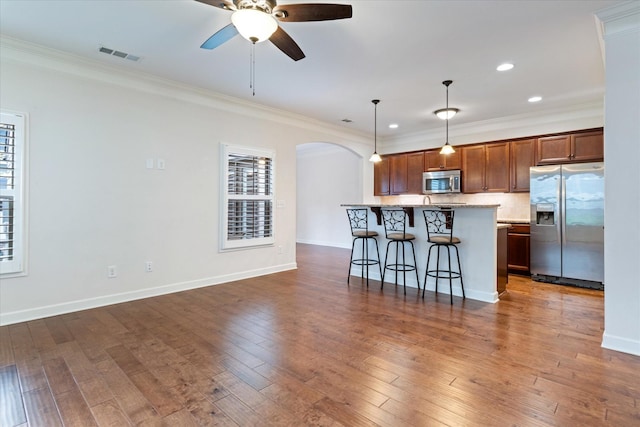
[[513, 206]]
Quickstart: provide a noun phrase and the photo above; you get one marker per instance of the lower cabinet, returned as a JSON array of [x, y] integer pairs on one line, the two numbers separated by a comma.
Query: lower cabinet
[[502, 272], [519, 241]]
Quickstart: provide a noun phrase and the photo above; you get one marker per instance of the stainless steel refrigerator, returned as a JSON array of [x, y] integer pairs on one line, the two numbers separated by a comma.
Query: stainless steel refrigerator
[[567, 224]]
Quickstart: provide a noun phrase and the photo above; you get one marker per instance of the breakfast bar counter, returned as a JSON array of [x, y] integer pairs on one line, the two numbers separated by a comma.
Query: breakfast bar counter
[[474, 224]]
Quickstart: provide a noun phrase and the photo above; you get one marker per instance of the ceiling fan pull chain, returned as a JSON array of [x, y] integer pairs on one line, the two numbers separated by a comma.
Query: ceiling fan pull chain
[[252, 69]]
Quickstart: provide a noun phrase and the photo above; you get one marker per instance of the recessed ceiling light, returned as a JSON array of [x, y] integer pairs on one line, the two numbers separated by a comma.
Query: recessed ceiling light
[[535, 99], [393, 126], [504, 67]]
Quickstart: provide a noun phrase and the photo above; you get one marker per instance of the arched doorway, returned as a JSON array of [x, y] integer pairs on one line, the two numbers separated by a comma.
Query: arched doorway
[[326, 175]]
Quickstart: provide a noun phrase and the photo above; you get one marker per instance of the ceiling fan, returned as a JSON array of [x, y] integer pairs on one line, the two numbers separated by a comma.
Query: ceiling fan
[[256, 21]]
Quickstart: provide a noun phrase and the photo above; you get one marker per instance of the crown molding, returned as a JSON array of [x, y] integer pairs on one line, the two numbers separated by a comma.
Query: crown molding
[[16, 50], [621, 18], [576, 117]]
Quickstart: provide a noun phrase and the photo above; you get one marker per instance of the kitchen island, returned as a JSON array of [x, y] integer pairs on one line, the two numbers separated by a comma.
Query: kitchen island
[[474, 224]]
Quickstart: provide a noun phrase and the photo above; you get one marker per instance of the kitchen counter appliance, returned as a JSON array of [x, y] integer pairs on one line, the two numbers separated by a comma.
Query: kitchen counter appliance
[[440, 182], [567, 224]]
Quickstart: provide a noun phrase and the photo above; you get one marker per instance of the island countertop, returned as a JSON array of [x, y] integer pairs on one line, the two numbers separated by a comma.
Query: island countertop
[[475, 225], [421, 206]]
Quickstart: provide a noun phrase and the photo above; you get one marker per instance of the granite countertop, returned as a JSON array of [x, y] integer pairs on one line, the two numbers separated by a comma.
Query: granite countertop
[[513, 221], [500, 226], [432, 205]]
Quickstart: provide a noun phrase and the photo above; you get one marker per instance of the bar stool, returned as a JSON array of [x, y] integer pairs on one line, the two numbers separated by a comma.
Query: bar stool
[[359, 222], [440, 234], [395, 225]]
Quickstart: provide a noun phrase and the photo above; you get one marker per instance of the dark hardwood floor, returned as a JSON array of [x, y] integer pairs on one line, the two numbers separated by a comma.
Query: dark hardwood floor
[[303, 348]]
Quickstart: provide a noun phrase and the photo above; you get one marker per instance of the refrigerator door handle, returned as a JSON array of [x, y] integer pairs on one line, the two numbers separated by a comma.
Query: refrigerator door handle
[[563, 210]]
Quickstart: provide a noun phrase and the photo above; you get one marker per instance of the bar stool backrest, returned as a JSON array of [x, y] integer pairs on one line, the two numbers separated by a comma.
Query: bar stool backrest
[[439, 225], [395, 223], [359, 221]]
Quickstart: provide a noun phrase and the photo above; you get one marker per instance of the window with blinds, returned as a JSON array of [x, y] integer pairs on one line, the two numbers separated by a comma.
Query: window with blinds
[[248, 216], [11, 203]]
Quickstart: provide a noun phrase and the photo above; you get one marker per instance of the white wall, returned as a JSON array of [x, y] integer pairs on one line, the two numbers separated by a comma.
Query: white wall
[[327, 176], [622, 178], [93, 203]]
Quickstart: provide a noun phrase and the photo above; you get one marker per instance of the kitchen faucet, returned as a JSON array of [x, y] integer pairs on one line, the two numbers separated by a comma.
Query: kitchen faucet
[[424, 199]]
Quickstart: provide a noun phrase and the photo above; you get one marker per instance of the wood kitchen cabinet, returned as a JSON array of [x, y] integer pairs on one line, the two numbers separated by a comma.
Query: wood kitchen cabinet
[[519, 240], [415, 167], [434, 161], [485, 168], [522, 158], [502, 276], [398, 174], [570, 148], [381, 177]]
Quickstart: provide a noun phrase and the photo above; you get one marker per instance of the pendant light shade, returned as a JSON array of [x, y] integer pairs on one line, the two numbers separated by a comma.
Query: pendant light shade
[[375, 157], [254, 25], [446, 148]]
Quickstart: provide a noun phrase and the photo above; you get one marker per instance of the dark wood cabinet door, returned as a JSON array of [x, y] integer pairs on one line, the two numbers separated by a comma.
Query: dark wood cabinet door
[[522, 158], [502, 260], [453, 161], [473, 169], [553, 149], [434, 161], [381, 177], [415, 167], [398, 173], [518, 258], [587, 147], [497, 168]]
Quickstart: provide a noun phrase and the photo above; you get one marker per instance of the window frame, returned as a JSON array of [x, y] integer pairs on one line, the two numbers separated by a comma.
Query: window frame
[[226, 244], [18, 265]]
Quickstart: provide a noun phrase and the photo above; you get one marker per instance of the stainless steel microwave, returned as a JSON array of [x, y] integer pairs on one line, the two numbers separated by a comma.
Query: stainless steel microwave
[[441, 182]]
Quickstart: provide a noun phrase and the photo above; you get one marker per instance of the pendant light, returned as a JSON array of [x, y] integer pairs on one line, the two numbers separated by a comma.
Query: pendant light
[[446, 148], [375, 157]]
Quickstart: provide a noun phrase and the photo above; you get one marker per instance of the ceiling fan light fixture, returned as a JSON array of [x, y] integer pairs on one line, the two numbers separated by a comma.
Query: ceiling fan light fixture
[[254, 25], [446, 113]]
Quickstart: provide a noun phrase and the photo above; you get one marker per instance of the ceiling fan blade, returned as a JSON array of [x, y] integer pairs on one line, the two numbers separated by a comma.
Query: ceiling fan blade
[[220, 37], [285, 43], [222, 4], [312, 12]]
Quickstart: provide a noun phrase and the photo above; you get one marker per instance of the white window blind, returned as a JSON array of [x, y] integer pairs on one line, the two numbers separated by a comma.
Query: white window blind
[[248, 216], [12, 143]]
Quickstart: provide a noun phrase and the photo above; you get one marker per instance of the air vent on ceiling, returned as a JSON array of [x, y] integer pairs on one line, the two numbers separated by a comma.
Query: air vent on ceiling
[[118, 53]]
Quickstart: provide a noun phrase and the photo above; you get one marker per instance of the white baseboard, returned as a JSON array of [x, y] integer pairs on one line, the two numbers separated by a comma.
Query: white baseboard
[[624, 345], [69, 307], [323, 243]]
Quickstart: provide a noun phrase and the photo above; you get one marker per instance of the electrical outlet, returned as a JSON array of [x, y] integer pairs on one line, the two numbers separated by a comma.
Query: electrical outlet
[[160, 164], [112, 271], [148, 266], [280, 249]]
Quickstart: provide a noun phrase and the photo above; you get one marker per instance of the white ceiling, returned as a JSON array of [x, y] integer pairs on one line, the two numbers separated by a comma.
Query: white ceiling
[[397, 51]]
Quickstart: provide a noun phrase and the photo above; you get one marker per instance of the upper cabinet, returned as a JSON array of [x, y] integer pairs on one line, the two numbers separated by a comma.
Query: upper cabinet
[[398, 174], [492, 167], [434, 161], [485, 168], [522, 158], [576, 147], [415, 167], [381, 177]]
